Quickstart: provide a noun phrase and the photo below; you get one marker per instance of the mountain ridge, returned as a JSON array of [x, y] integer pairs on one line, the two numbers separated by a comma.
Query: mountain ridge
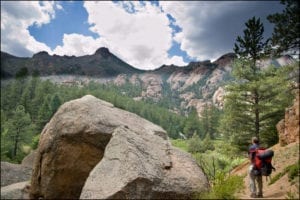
[[198, 84], [102, 64], [47, 64]]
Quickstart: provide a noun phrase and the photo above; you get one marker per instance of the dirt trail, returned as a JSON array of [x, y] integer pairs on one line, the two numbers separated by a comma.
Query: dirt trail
[[284, 156]]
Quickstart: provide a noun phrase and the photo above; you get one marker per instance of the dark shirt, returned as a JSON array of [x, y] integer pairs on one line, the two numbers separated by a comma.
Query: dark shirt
[[251, 152]]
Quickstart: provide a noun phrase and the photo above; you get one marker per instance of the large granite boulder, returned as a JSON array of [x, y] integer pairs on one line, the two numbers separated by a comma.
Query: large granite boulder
[[90, 149]]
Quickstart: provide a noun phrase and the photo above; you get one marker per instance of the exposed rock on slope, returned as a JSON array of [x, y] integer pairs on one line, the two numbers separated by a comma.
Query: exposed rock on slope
[[288, 128], [110, 153]]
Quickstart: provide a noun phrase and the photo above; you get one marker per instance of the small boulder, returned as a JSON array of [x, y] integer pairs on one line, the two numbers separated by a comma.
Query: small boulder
[[29, 159], [14, 173], [16, 191]]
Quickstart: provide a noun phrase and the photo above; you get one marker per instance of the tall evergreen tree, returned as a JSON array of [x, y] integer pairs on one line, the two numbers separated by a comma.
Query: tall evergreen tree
[[192, 125], [209, 120], [55, 103], [45, 112], [17, 129], [252, 103], [250, 49]]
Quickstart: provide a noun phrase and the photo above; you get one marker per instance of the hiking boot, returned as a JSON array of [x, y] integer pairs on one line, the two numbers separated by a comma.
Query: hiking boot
[[253, 196], [259, 196]]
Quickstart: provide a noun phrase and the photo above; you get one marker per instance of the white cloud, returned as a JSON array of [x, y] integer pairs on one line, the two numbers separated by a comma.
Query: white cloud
[[138, 33], [79, 45], [141, 38], [16, 17], [175, 60]]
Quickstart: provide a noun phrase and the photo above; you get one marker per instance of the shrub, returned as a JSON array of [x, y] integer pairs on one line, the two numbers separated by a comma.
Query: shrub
[[182, 144], [293, 171], [195, 145], [35, 141], [224, 187], [276, 178]]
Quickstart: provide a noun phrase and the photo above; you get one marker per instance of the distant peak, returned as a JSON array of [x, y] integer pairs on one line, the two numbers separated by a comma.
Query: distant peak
[[225, 59], [102, 51], [40, 54]]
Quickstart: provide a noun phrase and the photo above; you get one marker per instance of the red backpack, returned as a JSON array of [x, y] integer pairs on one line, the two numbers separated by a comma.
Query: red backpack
[[263, 161]]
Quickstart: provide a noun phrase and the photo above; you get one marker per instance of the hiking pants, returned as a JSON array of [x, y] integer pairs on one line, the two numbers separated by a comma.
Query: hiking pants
[[253, 179]]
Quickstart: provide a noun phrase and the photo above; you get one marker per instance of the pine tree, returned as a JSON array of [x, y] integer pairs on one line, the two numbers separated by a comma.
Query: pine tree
[[253, 104], [17, 131], [55, 103], [192, 125], [209, 120], [45, 112]]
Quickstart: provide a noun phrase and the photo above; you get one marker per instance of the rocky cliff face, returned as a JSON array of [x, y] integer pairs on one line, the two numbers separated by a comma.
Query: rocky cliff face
[[288, 128], [90, 149]]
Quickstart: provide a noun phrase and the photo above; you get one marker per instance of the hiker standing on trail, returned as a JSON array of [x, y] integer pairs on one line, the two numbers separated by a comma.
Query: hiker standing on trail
[[254, 175]]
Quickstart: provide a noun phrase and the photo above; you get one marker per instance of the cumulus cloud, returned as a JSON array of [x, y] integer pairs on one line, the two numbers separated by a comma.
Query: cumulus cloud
[[78, 45], [175, 60], [209, 29], [16, 17], [138, 34]]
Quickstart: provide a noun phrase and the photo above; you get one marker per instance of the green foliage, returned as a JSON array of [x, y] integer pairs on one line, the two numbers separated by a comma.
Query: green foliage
[[22, 73], [15, 132], [212, 162], [194, 144], [192, 125], [253, 106], [224, 187], [210, 120], [55, 103], [286, 28], [292, 195], [252, 46], [41, 99], [292, 170], [182, 144], [225, 147], [35, 141], [276, 177]]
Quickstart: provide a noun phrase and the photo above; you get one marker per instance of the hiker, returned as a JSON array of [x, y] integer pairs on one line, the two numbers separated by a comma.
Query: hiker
[[254, 175]]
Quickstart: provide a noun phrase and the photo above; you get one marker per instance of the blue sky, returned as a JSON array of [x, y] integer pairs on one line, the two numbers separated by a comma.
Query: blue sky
[[145, 34], [71, 19]]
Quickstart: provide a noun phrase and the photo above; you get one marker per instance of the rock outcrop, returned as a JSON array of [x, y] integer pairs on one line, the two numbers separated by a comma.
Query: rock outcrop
[[14, 173], [90, 149], [288, 128], [16, 191]]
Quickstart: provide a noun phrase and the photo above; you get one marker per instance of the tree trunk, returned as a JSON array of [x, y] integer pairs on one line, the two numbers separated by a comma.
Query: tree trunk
[[256, 110], [16, 143]]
